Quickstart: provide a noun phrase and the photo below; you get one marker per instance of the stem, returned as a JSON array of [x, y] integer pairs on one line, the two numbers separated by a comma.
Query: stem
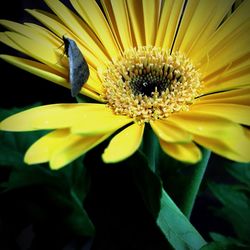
[[194, 185], [150, 147]]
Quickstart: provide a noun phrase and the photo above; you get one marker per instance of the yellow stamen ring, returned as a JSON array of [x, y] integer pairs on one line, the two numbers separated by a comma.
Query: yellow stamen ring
[[149, 83]]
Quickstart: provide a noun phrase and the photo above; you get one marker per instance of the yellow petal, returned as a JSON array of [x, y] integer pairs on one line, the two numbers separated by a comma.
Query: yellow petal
[[224, 36], [42, 52], [124, 144], [122, 21], [151, 10], [42, 149], [239, 152], [169, 19], [188, 13], [187, 152], [136, 19], [200, 17], [92, 14], [30, 32], [87, 44], [73, 147], [98, 122], [38, 69], [7, 41], [209, 27], [239, 96], [237, 113], [216, 128], [169, 132], [50, 116]]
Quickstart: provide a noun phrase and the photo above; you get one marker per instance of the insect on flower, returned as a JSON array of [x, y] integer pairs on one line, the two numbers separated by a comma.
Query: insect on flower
[[78, 67]]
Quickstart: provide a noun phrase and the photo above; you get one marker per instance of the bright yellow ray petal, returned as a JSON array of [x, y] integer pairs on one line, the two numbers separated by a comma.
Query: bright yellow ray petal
[[209, 27], [233, 48], [48, 115], [92, 14], [72, 148], [233, 82], [238, 96], [225, 150], [7, 41], [122, 21], [187, 152], [224, 33], [42, 149], [124, 144], [214, 127], [42, 52], [45, 32], [202, 14], [30, 32], [236, 113], [169, 132], [151, 11], [137, 22], [169, 18], [88, 45], [189, 11], [37, 68], [74, 117], [99, 122], [110, 16]]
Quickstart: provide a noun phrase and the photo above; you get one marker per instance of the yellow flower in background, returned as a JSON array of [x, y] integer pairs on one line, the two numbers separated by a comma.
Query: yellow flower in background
[[171, 64]]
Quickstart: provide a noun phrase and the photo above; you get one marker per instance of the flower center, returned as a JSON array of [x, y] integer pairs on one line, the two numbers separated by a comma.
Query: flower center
[[149, 83]]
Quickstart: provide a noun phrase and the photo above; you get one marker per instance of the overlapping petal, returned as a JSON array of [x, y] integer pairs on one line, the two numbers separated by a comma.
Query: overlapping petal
[[124, 144]]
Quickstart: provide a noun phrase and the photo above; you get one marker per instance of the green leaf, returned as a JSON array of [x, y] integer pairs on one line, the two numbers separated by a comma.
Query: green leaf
[[148, 184], [240, 171], [176, 227], [236, 207], [226, 240], [182, 181]]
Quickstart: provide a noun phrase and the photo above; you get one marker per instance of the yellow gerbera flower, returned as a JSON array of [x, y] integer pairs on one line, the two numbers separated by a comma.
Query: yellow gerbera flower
[[176, 65]]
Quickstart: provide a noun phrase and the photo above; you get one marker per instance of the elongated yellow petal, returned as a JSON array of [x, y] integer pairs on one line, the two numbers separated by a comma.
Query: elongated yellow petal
[[38, 69], [42, 52], [209, 27], [169, 19], [42, 149], [216, 128], [30, 32], [7, 41], [224, 34], [92, 14], [188, 13], [47, 117], [187, 152], [203, 13], [87, 44], [232, 49], [72, 148], [236, 113], [98, 122], [122, 20], [137, 22], [124, 144], [169, 132], [239, 96], [239, 152], [151, 11]]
